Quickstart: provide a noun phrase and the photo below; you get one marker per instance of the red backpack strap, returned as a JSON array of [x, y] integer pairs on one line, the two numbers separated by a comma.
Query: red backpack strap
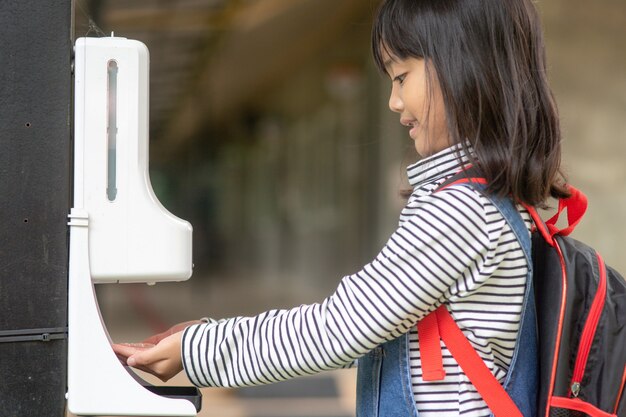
[[430, 349], [576, 205], [492, 392]]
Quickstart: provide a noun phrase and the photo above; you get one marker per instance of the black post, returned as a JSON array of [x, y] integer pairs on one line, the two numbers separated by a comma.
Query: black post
[[35, 169]]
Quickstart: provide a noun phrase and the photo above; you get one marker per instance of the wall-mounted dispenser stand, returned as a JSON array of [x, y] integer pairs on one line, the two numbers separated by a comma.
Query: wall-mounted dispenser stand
[[119, 232]]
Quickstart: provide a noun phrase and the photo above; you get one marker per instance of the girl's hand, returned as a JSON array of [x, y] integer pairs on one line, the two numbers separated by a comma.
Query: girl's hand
[[161, 360]]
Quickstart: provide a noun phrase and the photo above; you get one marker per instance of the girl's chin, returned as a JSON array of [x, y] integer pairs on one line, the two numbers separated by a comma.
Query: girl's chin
[[421, 147], [425, 151], [425, 148], [420, 142]]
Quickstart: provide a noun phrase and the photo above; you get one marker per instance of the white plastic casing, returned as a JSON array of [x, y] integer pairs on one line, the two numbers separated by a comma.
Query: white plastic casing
[[124, 235], [132, 237]]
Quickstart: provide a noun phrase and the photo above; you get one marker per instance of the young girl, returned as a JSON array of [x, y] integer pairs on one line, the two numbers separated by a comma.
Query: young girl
[[469, 82]]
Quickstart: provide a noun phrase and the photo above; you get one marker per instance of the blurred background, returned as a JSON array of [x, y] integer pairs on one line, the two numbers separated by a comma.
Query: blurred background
[[270, 133]]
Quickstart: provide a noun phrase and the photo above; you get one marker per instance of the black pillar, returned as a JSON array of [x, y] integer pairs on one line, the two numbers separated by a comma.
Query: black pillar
[[35, 169]]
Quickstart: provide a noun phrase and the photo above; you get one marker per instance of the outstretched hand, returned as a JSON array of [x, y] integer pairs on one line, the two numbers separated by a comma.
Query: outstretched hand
[[158, 355]]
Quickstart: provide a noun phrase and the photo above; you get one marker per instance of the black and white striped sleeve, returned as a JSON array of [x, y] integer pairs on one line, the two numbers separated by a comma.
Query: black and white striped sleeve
[[435, 253]]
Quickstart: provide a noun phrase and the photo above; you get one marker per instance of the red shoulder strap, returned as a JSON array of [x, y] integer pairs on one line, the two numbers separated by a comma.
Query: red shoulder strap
[[472, 364], [430, 349], [576, 205]]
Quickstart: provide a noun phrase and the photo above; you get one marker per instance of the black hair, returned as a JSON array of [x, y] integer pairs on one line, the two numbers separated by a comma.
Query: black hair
[[489, 60]]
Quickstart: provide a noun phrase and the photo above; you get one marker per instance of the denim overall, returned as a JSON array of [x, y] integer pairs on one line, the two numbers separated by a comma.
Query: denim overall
[[384, 381]]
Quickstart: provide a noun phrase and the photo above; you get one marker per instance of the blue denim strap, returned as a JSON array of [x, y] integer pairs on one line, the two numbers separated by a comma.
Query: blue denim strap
[[522, 379]]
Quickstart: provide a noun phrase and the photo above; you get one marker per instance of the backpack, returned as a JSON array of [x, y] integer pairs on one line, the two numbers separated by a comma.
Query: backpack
[[581, 324]]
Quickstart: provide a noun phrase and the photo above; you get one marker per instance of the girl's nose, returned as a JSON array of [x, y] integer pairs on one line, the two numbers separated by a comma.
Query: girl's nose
[[395, 102]]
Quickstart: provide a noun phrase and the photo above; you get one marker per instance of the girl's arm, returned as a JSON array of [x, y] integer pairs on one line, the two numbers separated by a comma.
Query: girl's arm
[[429, 259]]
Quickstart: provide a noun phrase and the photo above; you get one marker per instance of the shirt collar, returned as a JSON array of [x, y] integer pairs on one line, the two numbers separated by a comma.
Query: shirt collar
[[440, 165]]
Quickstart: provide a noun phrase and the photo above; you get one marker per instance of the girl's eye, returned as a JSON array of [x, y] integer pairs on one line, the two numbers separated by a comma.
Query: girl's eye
[[400, 78]]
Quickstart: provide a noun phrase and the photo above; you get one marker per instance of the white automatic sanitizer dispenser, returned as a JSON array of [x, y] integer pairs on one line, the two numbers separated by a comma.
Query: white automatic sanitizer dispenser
[[119, 232]]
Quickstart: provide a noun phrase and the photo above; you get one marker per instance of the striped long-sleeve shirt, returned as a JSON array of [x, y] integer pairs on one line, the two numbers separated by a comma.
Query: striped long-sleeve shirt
[[452, 247]]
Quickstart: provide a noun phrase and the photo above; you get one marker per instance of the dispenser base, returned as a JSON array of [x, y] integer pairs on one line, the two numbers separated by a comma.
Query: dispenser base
[[191, 394]]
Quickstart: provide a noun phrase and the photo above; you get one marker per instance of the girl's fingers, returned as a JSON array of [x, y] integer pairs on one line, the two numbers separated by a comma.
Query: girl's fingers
[[162, 360], [161, 368], [123, 350], [139, 346], [136, 361], [129, 349], [148, 357]]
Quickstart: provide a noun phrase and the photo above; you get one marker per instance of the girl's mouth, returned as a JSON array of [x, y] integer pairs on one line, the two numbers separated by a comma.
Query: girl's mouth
[[412, 124]]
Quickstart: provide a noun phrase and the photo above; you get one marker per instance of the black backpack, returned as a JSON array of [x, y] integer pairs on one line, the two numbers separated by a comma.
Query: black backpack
[[581, 323], [581, 311]]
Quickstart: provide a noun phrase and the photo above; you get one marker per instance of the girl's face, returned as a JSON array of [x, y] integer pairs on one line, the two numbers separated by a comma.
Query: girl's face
[[419, 103]]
